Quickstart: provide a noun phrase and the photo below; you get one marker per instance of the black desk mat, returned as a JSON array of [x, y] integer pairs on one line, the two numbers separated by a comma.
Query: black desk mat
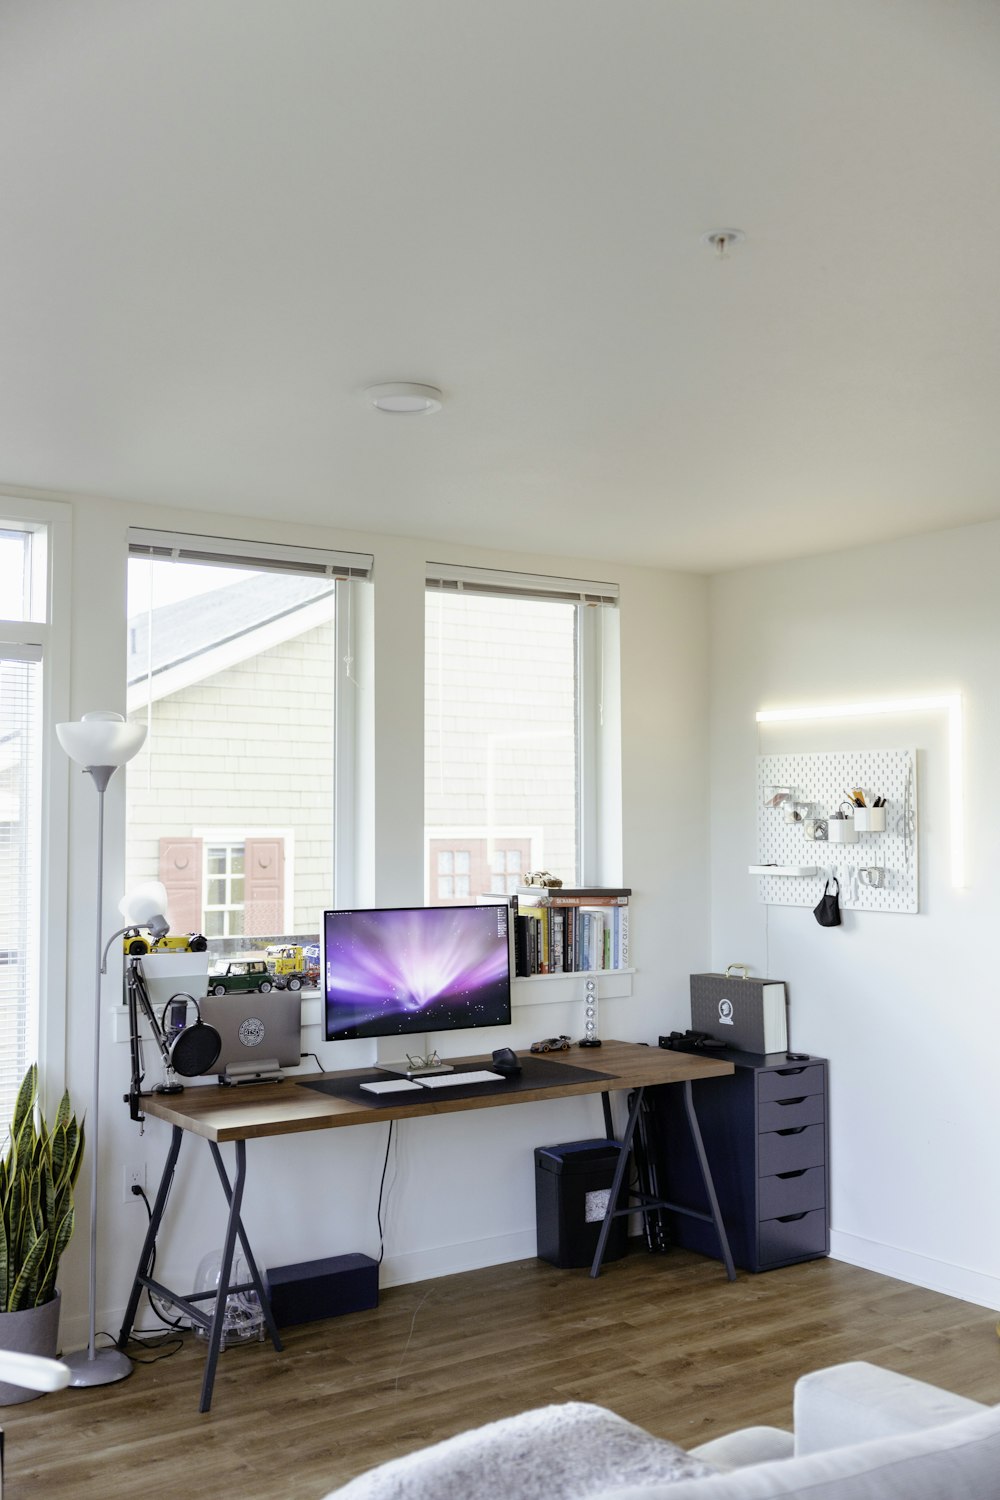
[[536, 1073]]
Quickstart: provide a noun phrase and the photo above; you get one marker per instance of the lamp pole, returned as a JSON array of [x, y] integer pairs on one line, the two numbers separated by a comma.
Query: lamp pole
[[93, 1366], [99, 742]]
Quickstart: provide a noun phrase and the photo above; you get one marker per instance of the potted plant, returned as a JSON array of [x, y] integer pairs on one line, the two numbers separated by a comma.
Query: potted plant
[[38, 1171]]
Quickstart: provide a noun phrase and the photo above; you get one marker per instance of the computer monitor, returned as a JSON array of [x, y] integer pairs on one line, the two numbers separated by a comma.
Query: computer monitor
[[406, 971]]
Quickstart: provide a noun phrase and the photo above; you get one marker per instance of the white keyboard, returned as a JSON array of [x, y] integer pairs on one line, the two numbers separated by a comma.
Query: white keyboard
[[458, 1080]]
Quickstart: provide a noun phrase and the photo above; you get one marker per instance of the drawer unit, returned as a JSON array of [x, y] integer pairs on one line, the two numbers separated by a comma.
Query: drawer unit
[[791, 1079], [765, 1134], [788, 1150]]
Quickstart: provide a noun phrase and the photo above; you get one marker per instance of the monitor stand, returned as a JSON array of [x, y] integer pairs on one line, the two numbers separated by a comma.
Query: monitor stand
[[415, 1065]]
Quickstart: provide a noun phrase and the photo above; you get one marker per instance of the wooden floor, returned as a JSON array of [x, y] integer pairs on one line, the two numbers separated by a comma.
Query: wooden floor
[[663, 1340]]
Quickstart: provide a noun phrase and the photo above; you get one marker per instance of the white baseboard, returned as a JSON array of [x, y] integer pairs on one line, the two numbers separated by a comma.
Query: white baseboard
[[918, 1270], [470, 1255]]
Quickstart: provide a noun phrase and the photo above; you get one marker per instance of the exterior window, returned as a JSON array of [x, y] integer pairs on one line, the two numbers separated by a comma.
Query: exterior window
[[230, 802], [25, 651], [462, 870], [224, 871], [504, 780], [506, 871], [20, 850]]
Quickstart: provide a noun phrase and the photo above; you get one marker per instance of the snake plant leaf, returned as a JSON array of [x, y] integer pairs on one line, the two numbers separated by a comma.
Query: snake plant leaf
[[4, 1265], [25, 1288], [47, 1196], [75, 1142], [61, 1238], [25, 1102]]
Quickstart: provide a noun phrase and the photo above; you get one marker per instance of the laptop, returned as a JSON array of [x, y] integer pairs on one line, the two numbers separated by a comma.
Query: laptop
[[261, 1034]]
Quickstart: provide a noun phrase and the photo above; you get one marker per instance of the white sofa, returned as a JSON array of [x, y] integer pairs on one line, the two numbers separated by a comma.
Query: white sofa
[[861, 1433]]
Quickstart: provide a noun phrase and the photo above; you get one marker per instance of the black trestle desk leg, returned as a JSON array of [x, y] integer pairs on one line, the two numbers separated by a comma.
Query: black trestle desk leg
[[235, 1196], [617, 1180], [255, 1277], [706, 1173], [144, 1268], [609, 1124]]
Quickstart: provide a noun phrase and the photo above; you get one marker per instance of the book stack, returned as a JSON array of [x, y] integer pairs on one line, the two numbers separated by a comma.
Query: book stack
[[570, 929]]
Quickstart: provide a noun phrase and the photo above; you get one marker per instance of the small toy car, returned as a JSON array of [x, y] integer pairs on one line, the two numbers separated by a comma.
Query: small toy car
[[552, 1044], [241, 977]]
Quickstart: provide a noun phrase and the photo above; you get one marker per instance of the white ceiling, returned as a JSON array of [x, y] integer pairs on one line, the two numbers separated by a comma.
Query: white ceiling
[[221, 219]]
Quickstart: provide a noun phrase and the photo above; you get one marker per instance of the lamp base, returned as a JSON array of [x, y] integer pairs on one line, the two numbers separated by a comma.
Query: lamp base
[[106, 1366]]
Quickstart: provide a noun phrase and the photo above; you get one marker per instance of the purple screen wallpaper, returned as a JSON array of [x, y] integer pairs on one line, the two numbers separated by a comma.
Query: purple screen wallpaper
[[417, 969]]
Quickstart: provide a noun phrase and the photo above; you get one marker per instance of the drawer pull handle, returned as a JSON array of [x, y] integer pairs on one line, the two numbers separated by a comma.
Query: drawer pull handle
[[785, 1175], [792, 1130], [787, 1072], [790, 1218], [800, 1100]]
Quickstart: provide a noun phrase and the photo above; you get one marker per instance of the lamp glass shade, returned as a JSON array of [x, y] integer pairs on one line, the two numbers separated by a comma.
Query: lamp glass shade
[[144, 903], [101, 739]]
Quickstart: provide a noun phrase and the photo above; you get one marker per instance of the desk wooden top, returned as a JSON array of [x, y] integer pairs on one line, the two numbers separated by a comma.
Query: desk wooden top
[[249, 1111]]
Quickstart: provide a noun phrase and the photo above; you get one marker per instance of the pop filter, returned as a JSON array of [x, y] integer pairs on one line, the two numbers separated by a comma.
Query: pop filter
[[193, 1049]]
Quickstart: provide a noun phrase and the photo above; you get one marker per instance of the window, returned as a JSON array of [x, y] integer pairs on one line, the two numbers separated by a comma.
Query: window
[[462, 869], [223, 890], [520, 759], [233, 662], [33, 787], [20, 854]]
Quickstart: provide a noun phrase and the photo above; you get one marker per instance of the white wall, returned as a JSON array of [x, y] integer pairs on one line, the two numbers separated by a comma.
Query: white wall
[[461, 1191], [905, 1007]]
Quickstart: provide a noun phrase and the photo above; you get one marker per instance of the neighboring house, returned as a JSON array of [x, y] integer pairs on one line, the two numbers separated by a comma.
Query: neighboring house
[[231, 803], [231, 800]]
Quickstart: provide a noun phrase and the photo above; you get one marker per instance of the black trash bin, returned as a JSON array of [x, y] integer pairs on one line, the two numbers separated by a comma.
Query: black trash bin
[[572, 1186]]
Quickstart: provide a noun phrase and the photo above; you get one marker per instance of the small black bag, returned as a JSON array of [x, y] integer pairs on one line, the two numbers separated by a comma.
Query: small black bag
[[827, 913]]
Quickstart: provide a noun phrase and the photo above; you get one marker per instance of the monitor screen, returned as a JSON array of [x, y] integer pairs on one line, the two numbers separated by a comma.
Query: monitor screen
[[397, 971]]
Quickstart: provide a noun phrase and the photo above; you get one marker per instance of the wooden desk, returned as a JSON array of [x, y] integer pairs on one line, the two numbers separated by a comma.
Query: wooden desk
[[253, 1111]]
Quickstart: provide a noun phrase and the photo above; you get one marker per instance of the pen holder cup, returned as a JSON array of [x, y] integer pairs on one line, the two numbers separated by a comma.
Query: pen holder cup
[[840, 829], [870, 820]]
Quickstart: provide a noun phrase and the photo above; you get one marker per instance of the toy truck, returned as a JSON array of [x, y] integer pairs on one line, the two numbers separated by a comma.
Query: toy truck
[[292, 968]]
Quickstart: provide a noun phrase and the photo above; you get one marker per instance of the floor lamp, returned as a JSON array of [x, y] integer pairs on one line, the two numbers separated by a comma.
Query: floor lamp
[[99, 742]]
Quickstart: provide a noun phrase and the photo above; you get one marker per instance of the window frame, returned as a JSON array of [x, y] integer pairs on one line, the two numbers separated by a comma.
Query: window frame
[[353, 615], [597, 694], [52, 637]]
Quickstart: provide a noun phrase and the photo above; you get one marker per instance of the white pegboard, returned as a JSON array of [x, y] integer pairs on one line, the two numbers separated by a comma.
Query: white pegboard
[[821, 783]]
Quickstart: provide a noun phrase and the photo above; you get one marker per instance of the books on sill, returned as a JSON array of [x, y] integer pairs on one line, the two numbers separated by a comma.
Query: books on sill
[[568, 930]]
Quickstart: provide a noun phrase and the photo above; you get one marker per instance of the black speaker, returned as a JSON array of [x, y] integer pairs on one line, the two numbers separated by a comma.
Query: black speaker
[[322, 1288]]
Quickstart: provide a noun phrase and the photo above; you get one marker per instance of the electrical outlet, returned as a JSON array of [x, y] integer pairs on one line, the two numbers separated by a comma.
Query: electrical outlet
[[133, 1177]]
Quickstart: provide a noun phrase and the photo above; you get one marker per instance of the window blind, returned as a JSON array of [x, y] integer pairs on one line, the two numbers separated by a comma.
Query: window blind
[[20, 849], [231, 552], [454, 579]]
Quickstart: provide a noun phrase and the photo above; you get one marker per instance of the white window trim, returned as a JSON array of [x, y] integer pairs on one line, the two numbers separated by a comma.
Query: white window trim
[[353, 747], [598, 707], [353, 741], [53, 636]]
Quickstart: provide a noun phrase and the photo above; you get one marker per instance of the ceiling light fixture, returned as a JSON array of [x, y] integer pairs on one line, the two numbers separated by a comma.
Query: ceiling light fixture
[[723, 240], [403, 398]]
